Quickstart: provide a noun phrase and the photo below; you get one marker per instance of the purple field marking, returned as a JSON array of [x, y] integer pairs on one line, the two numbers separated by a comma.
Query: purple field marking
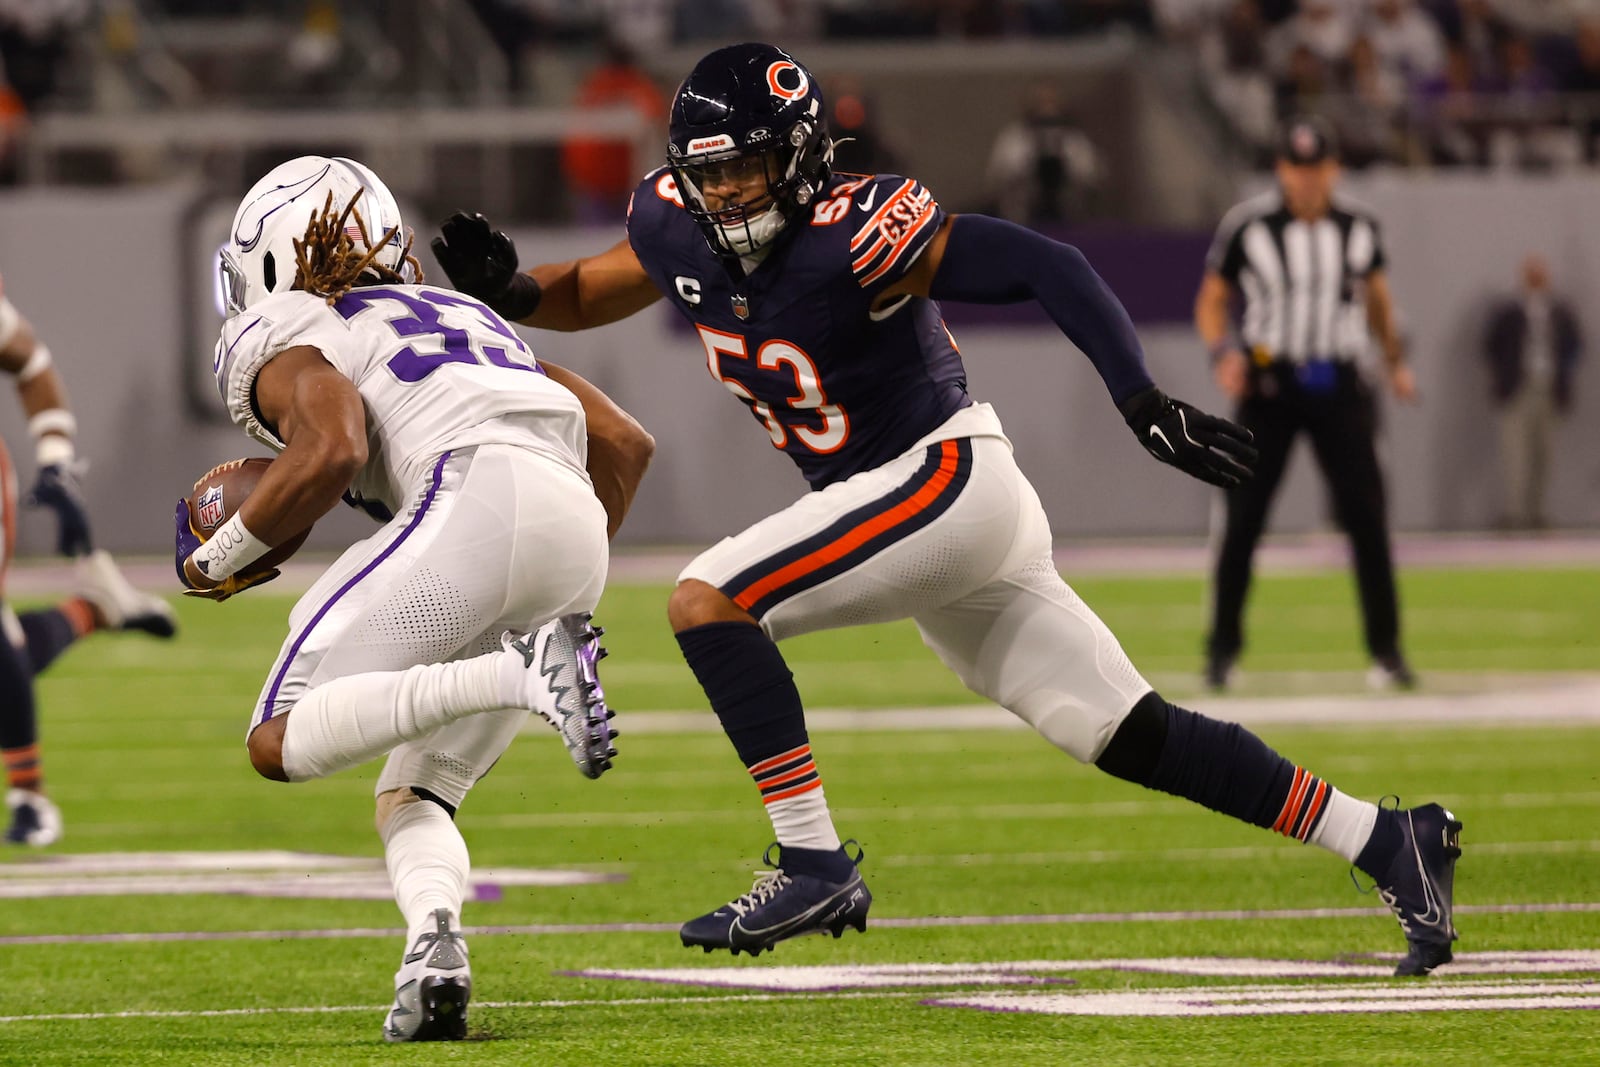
[[908, 922]]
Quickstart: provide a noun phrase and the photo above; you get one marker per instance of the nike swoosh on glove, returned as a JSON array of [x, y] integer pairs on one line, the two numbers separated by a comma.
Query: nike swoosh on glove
[[1181, 435]]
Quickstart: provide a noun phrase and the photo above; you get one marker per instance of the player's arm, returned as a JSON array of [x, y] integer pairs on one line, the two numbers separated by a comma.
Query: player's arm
[[1386, 330], [619, 448], [574, 295], [1229, 365], [984, 260], [52, 426], [319, 416]]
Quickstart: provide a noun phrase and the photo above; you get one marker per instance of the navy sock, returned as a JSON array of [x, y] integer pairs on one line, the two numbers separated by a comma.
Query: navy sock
[[749, 686], [1218, 764], [19, 725], [1380, 848], [833, 865], [49, 634]]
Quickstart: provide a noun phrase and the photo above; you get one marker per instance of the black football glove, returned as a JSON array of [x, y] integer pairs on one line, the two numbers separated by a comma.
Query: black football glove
[[1202, 446], [60, 489], [483, 263]]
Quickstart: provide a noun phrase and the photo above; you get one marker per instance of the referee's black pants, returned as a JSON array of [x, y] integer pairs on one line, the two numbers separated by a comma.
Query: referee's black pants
[[1340, 417]]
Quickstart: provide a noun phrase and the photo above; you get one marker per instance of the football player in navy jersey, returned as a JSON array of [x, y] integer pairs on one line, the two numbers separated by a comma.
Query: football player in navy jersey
[[813, 295]]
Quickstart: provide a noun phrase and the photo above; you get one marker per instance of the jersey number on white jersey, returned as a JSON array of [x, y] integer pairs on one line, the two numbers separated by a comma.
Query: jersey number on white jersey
[[422, 320]]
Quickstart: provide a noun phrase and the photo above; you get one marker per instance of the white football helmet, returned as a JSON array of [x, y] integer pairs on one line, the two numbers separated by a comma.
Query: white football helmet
[[258, 258]]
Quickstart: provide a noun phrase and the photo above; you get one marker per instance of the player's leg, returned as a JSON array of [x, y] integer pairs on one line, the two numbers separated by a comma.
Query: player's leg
[[1343, 433], [878, 546], [363, 669], [1031, 645], [32, 819], [1245, 510]]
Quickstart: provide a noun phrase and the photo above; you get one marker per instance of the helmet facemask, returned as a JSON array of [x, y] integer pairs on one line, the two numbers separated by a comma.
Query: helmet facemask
[[744, 197]]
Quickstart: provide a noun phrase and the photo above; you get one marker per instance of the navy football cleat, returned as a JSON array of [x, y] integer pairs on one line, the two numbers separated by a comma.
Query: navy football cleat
[[779, 906], [432, 987], [1420, 885]]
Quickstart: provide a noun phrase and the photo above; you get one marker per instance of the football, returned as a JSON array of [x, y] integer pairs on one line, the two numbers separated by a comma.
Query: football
[[218, 495]]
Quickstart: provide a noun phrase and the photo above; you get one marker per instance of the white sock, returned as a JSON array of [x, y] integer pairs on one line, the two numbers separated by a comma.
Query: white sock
[[348, 721], [804, 821], [1346, 825], [428, 864]]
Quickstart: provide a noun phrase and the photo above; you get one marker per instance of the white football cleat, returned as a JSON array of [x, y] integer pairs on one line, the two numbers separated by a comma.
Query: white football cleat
[[34, 819], [432, 987], [101, 583], [554, 671]]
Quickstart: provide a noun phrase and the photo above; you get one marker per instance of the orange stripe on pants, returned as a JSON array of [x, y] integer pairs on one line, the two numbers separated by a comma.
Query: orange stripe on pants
[[860, 535]]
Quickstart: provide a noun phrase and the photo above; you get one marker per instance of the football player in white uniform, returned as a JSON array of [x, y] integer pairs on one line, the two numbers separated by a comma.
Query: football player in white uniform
[[425, 408], [30, 641]]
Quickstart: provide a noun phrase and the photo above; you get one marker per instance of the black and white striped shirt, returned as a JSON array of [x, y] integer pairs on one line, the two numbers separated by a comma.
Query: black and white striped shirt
[[1303, 282]]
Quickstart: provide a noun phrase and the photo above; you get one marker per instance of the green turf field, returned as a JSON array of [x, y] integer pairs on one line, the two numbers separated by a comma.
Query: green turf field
[[143, 748]]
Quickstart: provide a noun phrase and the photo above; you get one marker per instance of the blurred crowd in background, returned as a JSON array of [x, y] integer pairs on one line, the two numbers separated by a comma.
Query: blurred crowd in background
[[1443, 83]]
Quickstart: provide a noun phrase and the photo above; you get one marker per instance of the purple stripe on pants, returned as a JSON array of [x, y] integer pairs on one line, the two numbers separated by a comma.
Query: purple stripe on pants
[[294, 650]]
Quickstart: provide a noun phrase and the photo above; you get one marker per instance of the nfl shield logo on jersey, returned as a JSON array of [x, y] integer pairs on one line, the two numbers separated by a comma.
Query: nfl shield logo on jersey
[[209, 507], [741, 307]]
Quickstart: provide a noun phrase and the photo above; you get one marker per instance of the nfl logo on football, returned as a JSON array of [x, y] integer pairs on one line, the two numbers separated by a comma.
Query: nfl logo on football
[[209, 507]]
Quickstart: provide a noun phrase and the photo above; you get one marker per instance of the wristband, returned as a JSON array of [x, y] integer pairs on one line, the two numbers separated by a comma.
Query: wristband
[[53, 420], [37, 363], [54, 450], [228, 551], [519, 298], [10, 318]]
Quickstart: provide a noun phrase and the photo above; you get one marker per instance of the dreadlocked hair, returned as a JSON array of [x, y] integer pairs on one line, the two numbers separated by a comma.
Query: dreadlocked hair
[[327, 262]]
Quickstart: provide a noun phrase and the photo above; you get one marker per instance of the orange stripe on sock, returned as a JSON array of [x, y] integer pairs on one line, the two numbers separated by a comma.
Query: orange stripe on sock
[[780, 759], [1312, 809], [79, 615], [860, 535], [799, 772], [1291, 800], [22, 767], [787, 793]]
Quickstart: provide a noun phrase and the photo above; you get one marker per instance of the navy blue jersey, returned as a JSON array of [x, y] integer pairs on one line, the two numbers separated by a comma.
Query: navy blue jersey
[[837, 386]]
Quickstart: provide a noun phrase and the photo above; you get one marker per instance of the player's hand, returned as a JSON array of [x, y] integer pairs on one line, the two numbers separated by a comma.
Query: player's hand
[[1202, 446], [483, 263], [185, 542], [59, 487]]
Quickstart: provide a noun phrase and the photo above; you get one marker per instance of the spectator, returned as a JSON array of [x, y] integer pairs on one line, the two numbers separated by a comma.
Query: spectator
[[859, 145], [1321, 27], [1406, 41], [1369, 126], [1533, 345], [1042, 168], [1234, 55], [601, 172]]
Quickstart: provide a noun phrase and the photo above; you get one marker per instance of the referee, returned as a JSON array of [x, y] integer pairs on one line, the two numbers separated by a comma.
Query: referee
[[1310, 271]]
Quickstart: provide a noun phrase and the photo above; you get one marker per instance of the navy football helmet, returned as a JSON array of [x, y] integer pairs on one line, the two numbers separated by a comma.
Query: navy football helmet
[[748, 144]]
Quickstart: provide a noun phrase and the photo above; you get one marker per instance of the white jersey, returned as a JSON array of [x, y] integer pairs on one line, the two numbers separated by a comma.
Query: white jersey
[[436, 369]]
